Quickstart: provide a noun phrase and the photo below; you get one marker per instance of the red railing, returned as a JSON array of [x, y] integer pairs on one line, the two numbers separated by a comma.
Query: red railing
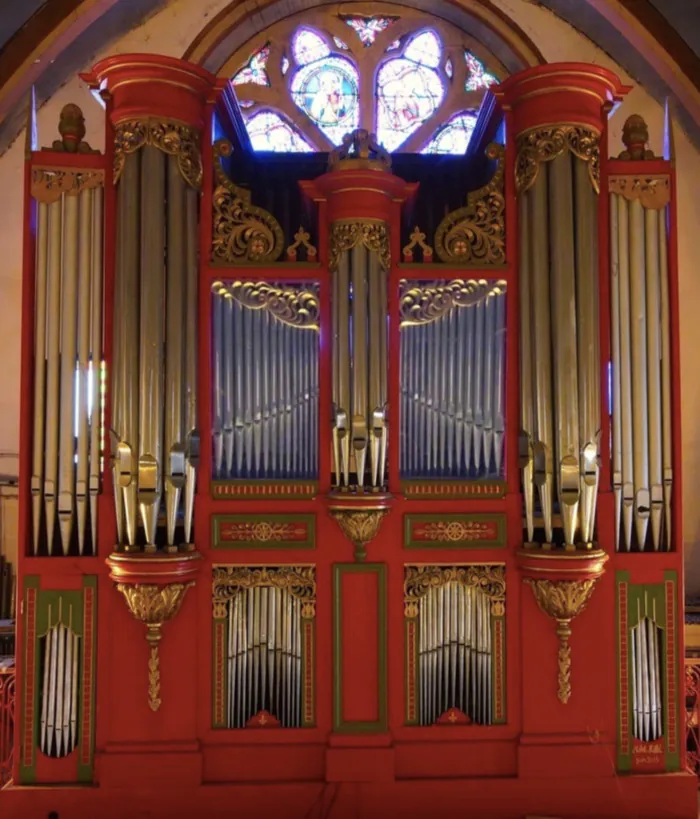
[[7, 723]]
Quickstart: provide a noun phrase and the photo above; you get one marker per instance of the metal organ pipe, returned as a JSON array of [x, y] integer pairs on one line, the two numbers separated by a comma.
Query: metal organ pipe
[[42, 242]]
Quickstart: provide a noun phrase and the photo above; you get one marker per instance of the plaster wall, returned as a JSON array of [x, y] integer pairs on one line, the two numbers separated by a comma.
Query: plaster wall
[[171, 31]]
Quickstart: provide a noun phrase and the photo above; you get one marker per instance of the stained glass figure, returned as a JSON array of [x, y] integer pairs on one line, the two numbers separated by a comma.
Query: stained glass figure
[[478, 77], [327, 91], [255, 70], [269, 132], [284, 66], [308, 47], [367, 28], [453, 138], [448, 68], [409, 90], [340, 43]]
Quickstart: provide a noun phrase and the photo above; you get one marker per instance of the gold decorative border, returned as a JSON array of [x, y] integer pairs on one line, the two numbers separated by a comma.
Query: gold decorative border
[[545, 143], [475, 234], [424, 304], [170, 136], [242, 232], [449, 490], [296, 306], [50, 183], [299, 581], [652, 190], [345, 235]]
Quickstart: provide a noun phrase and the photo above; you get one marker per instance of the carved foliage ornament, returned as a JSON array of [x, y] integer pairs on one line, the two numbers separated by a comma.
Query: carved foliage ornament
[[654, 192], [475, 234], [242, 232], [373, 235], [171, 137], [360, 526], [490, 580], [296, 307], [299, 581], [48, 184], [545, 144], [422, 305]]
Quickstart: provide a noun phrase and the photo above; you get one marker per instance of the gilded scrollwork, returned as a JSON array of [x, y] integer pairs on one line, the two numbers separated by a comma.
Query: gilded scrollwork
[[48, 184], [169, 136], [299, 581], [490, 580], [653, 191], [417, 239], [243, 233], [302, 238], [545, 144], [455, 531], [262, 532], [475, 234], [296, 307], [422, 305], [373, 235]]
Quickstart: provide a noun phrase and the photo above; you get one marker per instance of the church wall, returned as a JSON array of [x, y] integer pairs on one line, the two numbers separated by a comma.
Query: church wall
[[171, 31]]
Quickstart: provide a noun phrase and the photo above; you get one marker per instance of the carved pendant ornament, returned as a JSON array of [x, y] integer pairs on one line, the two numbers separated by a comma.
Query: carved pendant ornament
[[360, 526], [49, 184], [242, 232], [545, 144], [475, 234], [372, 234], [170, 137], [299, 581]]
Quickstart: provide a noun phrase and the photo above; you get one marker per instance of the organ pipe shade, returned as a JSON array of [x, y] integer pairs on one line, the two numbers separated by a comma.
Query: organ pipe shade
[[646, 675], [59, 675], [642, 457], [68, 312], [559, 357], [265, 361], [452, 379], [155, 341]]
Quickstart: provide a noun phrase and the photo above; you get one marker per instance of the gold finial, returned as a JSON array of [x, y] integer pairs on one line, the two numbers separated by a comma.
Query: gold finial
[[635, 137], [359, 149], [71, 127]]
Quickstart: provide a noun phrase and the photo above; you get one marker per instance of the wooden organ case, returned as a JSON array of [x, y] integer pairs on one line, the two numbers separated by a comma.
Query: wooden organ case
[[379, 454]]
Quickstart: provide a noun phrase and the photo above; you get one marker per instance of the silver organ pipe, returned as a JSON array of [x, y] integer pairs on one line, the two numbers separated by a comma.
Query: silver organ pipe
[[452, 362], [265, 377], [455, 653], [641, 375], [154, 379], [647, 675], [60, 658], [68, 357]]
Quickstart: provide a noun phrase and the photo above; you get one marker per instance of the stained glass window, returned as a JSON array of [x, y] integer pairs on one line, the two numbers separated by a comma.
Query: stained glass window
[[393, 46], [478, 77], [424, 49], [452, 138], [309, 47], [449, 70], [327, 91], [340, 43], [284, 65], [255, 70], [269, 132], [367, 28]]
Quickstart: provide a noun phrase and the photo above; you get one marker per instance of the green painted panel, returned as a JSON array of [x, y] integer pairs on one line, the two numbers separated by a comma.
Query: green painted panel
[[471, 531], [264, 532]]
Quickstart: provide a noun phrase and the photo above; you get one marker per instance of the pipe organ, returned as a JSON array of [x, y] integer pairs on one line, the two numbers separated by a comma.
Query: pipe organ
[[300, 509]]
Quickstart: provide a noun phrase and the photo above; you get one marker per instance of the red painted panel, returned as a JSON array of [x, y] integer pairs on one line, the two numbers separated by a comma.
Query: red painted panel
[[360, 613]]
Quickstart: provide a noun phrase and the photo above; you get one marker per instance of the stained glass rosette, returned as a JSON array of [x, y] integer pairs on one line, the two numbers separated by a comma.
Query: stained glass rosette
[[255, 70], [367, 28], [326, 90]]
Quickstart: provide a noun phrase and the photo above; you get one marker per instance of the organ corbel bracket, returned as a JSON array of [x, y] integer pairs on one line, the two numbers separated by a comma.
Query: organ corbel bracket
[[170, 136], [48, 184], [652, 190], [154, 606], [242, 232], [544, 144], [360, 523], [372, 234], [299, 581], [475, 234]]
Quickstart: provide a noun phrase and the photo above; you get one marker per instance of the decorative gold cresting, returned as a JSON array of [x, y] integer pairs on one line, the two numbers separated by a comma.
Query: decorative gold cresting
[[476, 233], [544, 144], [359, 150], [242, 233], [422, 305], [490, 580], [48, 184], [169, 136], [635, 137], [372, 234], [653, 190], [71, 127], [296, 307], [299, 581], [417, 239], [302, 238], [154, 606], [360, 526], [562, 600]]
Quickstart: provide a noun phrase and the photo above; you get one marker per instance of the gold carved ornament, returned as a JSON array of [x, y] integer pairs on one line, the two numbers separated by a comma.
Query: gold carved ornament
[[562, 600], [475, 234], [49, 184], [372, 235], [359, 150], [545, 144], [635, 138], [360, 526], [169, 136], [454, 531], [653, 191], [296, 307], [489, 580], [417, 239], [298, 581], [242, 232], [422, 305], [262, 532], [71, 127], [154, 606], [302, 238]]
